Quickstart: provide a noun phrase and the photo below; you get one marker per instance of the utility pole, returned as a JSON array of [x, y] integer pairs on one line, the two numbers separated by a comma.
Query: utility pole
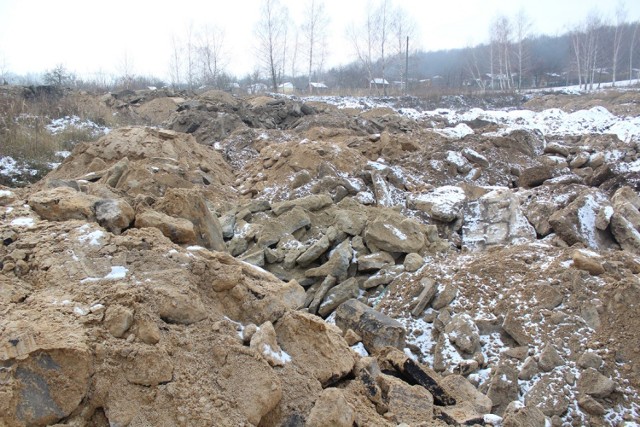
[[406, 68]]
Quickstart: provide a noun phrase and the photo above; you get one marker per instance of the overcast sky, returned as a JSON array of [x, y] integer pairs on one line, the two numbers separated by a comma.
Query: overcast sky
[[89, 35]]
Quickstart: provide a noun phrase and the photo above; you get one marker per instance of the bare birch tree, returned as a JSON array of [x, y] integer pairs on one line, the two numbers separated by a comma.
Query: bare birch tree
[[403, 28], [211, 54], [618, 33], [315, 33], [175, 62], [522, 27], [632, 44], [271, 33], [501, 41]]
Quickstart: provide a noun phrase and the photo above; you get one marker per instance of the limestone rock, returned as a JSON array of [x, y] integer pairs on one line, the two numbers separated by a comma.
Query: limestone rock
[[463, 391], [515, 327], [149, 367], [179, 306], [337, 264], [442, 204], [285, 224], [475, 157], [394, 233], [411, 404], [503, 387], [413, 262], [376, 329], [549, 358], [351, 222], [534, 176], [577, 222], [114, 215], [62, 204], [314, 252], [461, 414], [374, 261], [263, 341], [519, 415], [529, 369], [463, 333], [595, 384], [429, 290], [548, 395], [331, 409], [179, 230], [383, 277], [591, 405], [588, 261], [313, 202], [337, 295], [445, 295], [626, 219], [118, 320], [589, 359], [190, 205], [316, 345]]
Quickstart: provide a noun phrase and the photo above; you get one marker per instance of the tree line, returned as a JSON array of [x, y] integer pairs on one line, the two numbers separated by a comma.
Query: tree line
[[593, 51]]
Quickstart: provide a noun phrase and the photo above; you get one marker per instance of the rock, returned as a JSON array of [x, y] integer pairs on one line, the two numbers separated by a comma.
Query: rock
[[590, 405], [314, 344], [6, 196], [590, 315], [475, 157], [589, 359], [331, 409], [190, 205], [579, 160], [514, 325], [576, 223], [350, 221], [381, 190], [337, 295], [285, 224], [374, 261], [149, 367], [463, 333], [600, 175], [148, 331], [413, 262], [549, 358], [529, 369], [462, 414], [445, 296], [625, 219], [320, 293], [415, 373], [595, 384], [556, 148], [310, 203], [179, 230], [463, 391], [496, 218], [547, 394], [535, 176], [255, 256], [519, 415], [394, 233], [179, 306], [411, 404], [429, 289], [114, 215], [588, 261], [383, 277], [337, 265], [314, 252], [442, 204], [263, 342], [118, 320], [376, 329], [503, 387], [228, 224], [63, 204]]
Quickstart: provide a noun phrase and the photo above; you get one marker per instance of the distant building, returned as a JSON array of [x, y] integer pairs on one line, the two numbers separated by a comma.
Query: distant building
[[378, 83], [317, 88], [286, 87]]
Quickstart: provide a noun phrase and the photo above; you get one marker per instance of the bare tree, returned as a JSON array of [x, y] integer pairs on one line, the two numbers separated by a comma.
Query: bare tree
[[632, 43], [618, 32], [294, 54], [190, 56], [362, 40], [126, 70], [403, 28], [59, 76], [315, 32], [271, 35], [523, 25], [211, 54], [4, 68], [175, 62], [501, 41]]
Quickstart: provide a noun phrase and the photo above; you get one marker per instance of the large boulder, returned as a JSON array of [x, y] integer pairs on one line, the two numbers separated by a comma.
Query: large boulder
[[393, 232], [376, 329], [442, 204], [62, 204], [625, 219]]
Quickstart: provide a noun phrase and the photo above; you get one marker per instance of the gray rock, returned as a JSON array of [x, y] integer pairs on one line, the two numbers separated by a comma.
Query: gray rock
[[314, 252], [383, 277], [376, 329], [381, 190], [442, 204], [463, 333], [475, 157], [114, 215], [228, 224], [503, 387], [429, 290], [337, 295], [310, 203], [518, 415], [589, 359], [337, 265], [549, 358], [556, 148], [287, 223], [394, 233], [548, 395], [595, 384], [446, 294], [535, 176], [514, 326], [590, 405], [350, 221], [413, 262], [320, 292], [625, 221], [529, 369], [374, 261], [255, 256]]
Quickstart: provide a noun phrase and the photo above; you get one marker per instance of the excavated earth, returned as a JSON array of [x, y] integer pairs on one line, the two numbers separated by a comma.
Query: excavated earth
[[275, 261]]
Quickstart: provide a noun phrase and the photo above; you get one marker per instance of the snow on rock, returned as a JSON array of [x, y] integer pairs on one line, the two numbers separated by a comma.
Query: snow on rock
[[22, 222], [458, 132], [443, 203]]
